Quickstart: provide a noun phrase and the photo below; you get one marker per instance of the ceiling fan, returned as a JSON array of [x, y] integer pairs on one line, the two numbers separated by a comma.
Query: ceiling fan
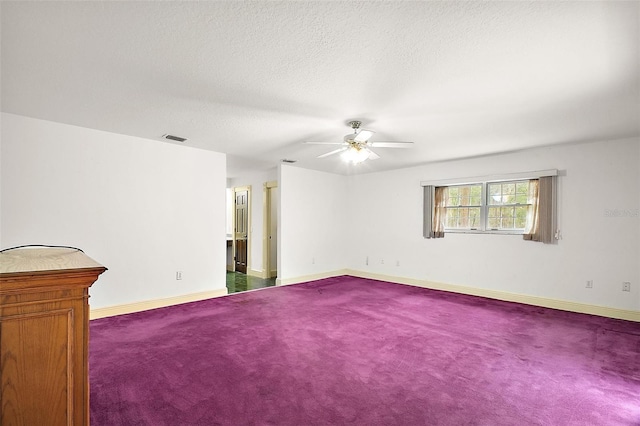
[[356, 147]]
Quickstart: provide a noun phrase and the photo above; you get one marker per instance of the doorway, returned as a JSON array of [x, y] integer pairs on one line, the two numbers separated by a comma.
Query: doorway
[[241, 224], [270, 230]]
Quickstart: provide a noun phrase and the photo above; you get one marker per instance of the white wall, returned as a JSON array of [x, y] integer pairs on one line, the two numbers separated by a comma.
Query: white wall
[[312, 222], [143, 208], [387, 225], [256, 181], [229, 212]]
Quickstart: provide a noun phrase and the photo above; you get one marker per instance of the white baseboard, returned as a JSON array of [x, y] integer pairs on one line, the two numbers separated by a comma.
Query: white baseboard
[[313, 277], [152, 304], [257, 274], [562, 305]]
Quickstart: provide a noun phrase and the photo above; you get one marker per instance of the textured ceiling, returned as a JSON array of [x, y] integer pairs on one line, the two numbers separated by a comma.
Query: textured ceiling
[[256, 79]]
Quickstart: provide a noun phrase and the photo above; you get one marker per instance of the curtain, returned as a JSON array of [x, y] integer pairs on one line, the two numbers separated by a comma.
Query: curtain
[[531, 228], [439, 211], [427, 214], [541, 215], [434, 199]]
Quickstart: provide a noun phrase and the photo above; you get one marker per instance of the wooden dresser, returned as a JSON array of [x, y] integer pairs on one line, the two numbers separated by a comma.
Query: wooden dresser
[[44, 331]]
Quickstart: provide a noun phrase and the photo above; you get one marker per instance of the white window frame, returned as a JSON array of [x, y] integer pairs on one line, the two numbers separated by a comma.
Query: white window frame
[[482, 194], [487, 206], [483, 227]]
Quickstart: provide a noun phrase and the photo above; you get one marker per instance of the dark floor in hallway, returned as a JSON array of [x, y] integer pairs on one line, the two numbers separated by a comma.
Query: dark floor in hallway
[[237, 282]]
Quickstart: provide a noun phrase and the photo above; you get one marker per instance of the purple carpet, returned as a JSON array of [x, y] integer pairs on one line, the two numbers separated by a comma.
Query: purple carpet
[[351, 351]]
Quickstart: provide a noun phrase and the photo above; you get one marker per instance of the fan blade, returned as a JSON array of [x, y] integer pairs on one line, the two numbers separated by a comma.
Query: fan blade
[[323, 143], [335, 151], [372, 155], [390, 144], [363, 136]]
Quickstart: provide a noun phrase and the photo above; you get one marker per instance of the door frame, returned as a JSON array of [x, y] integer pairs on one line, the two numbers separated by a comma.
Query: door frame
[[266, 228], [233, 227]]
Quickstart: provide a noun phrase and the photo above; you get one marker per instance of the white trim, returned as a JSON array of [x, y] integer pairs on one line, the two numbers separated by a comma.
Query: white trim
[[563, 305], [257, 274], [305, 278], [267, 187], [490, 178], [153, 304]]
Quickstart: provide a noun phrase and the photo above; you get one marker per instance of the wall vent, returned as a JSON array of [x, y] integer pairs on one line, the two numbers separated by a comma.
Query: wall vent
[[174, 138]]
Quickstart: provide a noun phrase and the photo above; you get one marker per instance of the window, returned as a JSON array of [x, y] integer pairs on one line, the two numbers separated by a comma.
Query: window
[[488, 206], [508, 205], [517, 205], [463, 207]]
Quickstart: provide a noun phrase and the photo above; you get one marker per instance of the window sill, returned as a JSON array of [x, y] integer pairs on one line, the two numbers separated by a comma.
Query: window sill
[[474, 231]]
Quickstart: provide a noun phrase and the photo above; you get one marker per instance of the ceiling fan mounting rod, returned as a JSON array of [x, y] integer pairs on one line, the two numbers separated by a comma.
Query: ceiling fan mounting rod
[[355, 125]]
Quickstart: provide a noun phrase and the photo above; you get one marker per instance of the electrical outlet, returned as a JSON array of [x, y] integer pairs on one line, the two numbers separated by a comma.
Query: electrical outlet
[[366, 261], [313, 260], [178, 275], [397, 263], [590, 284], [382, 261], [626, 286]]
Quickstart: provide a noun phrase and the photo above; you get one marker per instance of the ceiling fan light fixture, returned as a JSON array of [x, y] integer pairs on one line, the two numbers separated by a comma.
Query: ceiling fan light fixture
[[356, 147], [363, 136], [355, 155]]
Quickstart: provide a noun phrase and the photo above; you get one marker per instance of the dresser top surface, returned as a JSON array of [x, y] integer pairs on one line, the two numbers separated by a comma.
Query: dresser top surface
[[32, 259]]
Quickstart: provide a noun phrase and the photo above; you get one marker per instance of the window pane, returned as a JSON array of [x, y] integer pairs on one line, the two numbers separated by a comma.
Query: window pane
[[521, 211], [522, 187], [521, 217], [506, 212], [509, 188], [494, 223], [465, 195], [507, 223], [494, 212], [474, 217], [507, 193], [464, 220], [508, 199], [462, 217]]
